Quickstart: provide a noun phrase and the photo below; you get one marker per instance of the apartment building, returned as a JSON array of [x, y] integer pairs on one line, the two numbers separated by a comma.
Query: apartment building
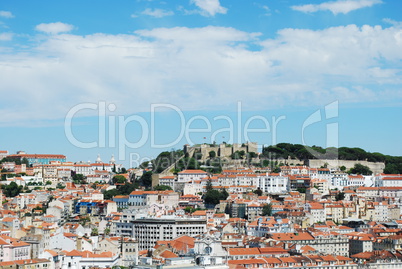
[[273, 183], [148, 231]]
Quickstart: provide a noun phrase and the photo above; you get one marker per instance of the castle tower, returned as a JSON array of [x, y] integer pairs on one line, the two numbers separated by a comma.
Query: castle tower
[[112, 160]]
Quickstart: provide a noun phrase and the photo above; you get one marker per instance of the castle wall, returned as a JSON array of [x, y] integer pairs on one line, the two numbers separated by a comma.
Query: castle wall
[[376, 167], [222, 150], [225, 151], [205, 149], [252, 147]]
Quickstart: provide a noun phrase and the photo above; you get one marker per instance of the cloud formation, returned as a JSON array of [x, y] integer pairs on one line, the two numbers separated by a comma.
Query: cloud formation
[[336, 7], [6, 36], [54, 28], [6, 14], [209, 7], [157, 12], [201, 68]]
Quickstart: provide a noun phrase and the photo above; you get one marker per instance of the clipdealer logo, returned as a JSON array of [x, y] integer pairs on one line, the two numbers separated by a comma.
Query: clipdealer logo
[[112, 129]]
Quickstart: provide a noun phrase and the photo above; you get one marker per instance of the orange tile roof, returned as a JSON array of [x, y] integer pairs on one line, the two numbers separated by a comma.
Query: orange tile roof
[[292, 236], [248, 261], [191, 171], [244, 251], [200, 213]]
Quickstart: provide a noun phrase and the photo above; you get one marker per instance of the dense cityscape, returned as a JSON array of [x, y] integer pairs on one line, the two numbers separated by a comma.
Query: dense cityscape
[[206, 206], [201, 134]]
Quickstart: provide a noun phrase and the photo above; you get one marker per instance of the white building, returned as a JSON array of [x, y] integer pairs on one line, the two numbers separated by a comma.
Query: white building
[[13, 249], [167, 181], [85, 259], [82, 168], [360, 242], [273, 183], [339, 180], [148, 231], [380, 211], [191, 175], [388, 180], [356, 180], [316, 212]]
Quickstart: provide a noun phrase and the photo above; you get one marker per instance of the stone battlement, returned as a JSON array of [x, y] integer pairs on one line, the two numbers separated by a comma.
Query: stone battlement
[[222, 150]]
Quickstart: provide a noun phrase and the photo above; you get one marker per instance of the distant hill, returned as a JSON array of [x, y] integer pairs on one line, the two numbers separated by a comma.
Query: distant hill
[[393, 164], [178, 160]]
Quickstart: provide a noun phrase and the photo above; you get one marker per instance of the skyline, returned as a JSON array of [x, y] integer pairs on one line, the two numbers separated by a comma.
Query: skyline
[[275, 58]]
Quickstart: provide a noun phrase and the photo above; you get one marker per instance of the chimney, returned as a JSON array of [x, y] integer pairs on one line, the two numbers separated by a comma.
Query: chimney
[[79, 243]]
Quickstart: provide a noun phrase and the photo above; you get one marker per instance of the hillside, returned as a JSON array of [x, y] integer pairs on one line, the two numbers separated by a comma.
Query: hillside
[[393, 164]]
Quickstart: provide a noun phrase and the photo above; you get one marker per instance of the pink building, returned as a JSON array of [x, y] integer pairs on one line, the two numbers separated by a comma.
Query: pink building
[[14, 249]]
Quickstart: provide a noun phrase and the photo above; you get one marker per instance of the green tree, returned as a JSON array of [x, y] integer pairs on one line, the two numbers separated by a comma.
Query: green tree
[[146, 179], [12, 189], [60, 186], [162, 188], [145, 165], [189, 209], [209, 185], [393, 168], [238, 155], [119, 179], [110, 194], [267, 210], [16, 161], [301, 190], [188, 163], [94, 232], [224, 194], [340, 196], [164, 160], [212, 197], [258, 192], [127, 188], [252, 155], [25, 161], [4, 176], [212, 154], [360, 170], [342, 168], [79, 178]]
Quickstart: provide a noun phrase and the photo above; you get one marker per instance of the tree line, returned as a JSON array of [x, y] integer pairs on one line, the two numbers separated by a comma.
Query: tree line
[[393, 164]]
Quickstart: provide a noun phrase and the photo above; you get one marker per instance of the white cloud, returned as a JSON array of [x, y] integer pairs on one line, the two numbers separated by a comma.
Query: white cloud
[[6, 14], [336, 7], [54, 28], [157, 13], [209, 7], [267, 10], [201, 68], [392, 22], [6, 36], [193, 36]]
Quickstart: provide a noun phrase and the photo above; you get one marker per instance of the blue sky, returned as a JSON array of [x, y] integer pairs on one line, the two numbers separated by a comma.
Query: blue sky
[[221, 66]]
